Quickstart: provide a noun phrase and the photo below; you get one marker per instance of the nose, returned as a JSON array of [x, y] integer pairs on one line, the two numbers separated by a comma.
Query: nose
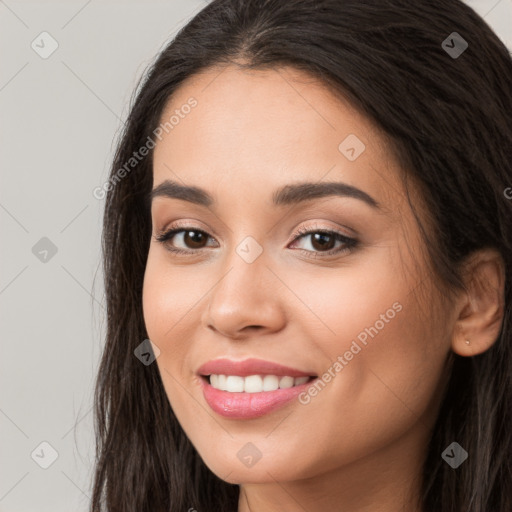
[[245, 301]]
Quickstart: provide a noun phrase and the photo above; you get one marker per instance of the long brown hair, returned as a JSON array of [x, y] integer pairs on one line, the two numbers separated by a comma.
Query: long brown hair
[[449, 122]]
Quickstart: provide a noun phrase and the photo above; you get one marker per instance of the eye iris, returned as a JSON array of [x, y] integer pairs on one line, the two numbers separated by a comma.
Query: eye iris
[[194, 239], [326, 241]]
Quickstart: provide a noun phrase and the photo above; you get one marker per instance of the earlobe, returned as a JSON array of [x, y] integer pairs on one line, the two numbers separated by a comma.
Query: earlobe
[[481, 310], [462, 346]]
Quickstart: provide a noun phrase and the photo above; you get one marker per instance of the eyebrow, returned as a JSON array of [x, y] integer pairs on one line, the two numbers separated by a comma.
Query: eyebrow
[[286, 195]]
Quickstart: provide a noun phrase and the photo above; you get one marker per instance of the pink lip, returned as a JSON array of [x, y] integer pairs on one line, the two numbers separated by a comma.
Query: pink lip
[[248, 405], [249, 367]]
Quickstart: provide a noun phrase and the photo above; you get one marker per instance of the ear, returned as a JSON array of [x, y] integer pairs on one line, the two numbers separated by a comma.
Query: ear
[[482, 304]]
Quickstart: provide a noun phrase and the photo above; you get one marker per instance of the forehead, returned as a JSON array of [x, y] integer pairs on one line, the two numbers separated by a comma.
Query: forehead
[[256, 128]]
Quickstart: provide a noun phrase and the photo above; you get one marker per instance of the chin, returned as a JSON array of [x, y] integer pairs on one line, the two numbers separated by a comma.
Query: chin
[[234, 471]]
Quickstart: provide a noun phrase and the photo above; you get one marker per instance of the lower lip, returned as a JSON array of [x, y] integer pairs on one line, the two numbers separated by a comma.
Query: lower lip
[[249, 405]]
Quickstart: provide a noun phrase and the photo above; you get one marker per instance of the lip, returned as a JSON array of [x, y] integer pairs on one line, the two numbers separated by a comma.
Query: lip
[[249, 367], [245, 406], [249, 405]]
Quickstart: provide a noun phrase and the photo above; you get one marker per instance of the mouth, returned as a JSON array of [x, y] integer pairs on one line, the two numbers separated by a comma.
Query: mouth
[[251, 388], [254, 383]]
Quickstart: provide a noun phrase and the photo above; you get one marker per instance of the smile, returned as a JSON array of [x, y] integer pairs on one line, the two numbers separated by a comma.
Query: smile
[[251, 388], [254, 383]]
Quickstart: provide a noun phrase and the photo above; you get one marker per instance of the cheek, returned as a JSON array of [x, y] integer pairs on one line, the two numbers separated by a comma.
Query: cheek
[[171, 302], [168, 296], [167, 301], [397, 358], [390, 346]]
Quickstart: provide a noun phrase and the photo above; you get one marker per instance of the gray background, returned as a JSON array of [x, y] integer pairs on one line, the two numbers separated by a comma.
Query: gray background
[[60, 117]]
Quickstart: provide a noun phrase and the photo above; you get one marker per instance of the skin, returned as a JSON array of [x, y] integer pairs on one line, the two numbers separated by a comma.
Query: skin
[[359, 444]]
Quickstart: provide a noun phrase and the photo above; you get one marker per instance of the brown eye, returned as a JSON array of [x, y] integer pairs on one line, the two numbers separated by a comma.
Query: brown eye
[[322, 241], [187, 239], [194, 239]]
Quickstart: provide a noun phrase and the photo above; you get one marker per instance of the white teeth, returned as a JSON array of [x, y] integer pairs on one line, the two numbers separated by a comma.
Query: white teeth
[[221, 381], [286, 382], [270, 383], [234, 384], [254, 383]]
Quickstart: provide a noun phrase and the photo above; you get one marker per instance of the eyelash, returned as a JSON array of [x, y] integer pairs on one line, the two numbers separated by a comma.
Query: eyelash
[[349, 243]]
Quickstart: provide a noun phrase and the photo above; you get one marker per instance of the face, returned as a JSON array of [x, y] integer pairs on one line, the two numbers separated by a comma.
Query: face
[[308, 307]]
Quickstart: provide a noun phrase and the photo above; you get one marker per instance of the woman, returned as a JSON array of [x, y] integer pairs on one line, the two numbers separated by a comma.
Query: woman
[[307, 216]]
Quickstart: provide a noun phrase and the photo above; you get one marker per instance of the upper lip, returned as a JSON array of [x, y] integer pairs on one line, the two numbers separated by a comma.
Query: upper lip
[[248, 367]]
